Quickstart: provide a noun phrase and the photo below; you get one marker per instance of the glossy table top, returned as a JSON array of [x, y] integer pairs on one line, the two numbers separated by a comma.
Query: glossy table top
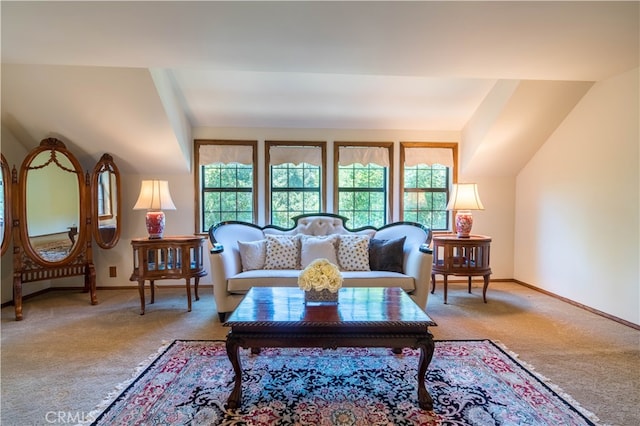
[[357, 307]]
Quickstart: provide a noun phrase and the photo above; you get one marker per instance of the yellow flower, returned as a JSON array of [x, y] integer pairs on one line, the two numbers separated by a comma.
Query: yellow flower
[[320, 275]]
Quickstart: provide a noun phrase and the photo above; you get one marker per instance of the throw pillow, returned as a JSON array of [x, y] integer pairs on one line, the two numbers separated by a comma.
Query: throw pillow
[[313, 248], [282, 252], [386, 255], [353, 252], [252, 254]]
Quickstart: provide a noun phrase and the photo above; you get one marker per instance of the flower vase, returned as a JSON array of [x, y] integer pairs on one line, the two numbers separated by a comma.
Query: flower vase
[[320, 297]]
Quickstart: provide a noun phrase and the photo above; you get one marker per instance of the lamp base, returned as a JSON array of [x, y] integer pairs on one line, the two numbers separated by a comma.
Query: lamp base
[[464, 222], [155, 224]]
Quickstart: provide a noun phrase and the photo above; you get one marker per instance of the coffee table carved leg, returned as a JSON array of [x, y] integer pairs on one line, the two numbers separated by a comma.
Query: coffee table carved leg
[[233, 346], [426, 354]]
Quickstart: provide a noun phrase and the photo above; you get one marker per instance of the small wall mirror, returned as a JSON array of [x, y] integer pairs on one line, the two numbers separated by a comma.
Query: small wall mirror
[[5, 205], [105, 195], [53, 193]]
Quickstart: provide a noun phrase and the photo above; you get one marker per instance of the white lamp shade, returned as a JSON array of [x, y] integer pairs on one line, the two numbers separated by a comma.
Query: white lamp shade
[[154, 195], [464, 196]]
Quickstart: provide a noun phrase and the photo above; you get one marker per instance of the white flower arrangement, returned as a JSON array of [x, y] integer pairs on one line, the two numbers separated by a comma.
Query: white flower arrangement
[[320, 275]]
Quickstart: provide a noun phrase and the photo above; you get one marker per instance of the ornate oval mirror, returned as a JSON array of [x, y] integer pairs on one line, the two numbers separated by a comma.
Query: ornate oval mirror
[[53, 194], [105, 196], [5, 205]]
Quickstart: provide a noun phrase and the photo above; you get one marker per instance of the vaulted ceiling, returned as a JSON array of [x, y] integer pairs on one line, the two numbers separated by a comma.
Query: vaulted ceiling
[[137, 78]]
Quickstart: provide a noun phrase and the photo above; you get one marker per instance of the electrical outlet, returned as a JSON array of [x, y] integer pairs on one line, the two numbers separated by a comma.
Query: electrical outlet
[[112, 272]]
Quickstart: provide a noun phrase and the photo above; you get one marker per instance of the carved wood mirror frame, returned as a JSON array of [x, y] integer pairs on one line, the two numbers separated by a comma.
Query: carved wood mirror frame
[[68, 250], [54, 167], [6, 205], [106, 205]]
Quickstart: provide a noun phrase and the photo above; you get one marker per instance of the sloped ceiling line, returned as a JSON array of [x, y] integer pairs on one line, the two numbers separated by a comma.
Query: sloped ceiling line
[[111, 76]]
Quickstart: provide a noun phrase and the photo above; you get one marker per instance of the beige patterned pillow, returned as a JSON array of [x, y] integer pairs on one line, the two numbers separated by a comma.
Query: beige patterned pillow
[[353, 252], [283, 252]]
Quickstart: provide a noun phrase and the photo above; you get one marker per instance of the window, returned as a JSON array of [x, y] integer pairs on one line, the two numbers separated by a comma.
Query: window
[[426, 178], [296, 180], [226, 182], [362, 183], [425, 195]]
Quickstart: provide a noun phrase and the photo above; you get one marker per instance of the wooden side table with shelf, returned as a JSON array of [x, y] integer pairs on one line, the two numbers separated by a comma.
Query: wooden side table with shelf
[[461, 257], [166, 258]]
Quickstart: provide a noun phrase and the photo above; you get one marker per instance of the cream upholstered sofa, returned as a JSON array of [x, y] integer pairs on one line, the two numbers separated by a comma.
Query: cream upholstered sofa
[[244, 255]]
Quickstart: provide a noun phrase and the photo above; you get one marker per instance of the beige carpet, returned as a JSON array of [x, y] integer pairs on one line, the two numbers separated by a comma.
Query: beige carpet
[[66, 356]]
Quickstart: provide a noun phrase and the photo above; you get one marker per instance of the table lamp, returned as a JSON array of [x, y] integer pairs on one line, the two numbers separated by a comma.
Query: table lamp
[[154, 197], [464, 198]]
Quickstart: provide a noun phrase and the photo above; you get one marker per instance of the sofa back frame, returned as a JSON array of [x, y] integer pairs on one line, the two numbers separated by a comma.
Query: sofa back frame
[[218, 248]]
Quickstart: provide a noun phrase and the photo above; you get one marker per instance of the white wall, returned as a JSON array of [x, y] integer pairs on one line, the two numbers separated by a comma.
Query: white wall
[[496, 220], [577, 204], [178, 222], [497, 193], [329, 135]]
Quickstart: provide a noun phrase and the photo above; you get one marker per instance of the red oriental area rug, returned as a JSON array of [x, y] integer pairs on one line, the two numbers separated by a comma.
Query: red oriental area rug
[[471, 382]]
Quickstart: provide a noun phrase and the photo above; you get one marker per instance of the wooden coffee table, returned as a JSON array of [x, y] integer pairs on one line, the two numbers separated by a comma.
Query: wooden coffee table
[[364, 317]]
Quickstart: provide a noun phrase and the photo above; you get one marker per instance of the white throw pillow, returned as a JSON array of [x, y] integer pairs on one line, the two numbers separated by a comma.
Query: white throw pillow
[[283, 252], [313, 248], [252, 254], [353, 252]]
